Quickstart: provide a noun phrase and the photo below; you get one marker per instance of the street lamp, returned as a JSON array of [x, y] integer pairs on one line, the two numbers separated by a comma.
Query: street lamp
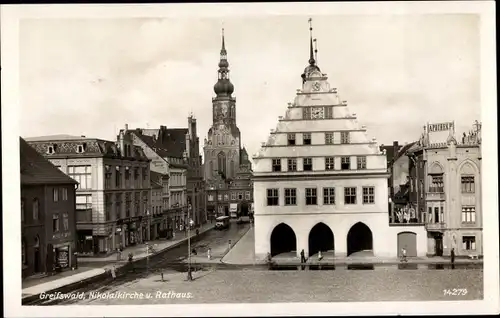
[[189, 275]]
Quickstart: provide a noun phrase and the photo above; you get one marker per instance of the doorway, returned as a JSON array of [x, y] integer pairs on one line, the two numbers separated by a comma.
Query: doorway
[[439, 245]]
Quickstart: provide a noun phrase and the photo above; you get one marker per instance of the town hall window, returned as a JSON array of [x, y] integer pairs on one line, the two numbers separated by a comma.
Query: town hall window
[[311, 196], [344, 137], [291, 139], [361, 160], [292, 164], [329, 163], [328, 196], [345, 163], [306, 138], [307, 164], [468, 184], [290, 196], [350, 195], [276, 165], [272, 197], [306, 112], [328, 112], [329, 138], [368, 195]]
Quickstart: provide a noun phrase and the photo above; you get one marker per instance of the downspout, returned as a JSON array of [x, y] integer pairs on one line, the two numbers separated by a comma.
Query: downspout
[[417, 184]]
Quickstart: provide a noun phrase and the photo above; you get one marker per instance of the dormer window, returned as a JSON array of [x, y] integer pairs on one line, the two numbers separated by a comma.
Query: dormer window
[[51, 149], [81, 148]]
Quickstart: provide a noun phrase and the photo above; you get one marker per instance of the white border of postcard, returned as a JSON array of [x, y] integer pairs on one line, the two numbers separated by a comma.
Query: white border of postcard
[[10, 15]]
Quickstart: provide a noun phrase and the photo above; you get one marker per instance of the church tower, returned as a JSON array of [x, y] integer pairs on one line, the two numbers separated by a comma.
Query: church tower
[[225, 160]]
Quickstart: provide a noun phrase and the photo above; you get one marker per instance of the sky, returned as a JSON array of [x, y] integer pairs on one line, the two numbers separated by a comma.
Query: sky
[[92, 76]]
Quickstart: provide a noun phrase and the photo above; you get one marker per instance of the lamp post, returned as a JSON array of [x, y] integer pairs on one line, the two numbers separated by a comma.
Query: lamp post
[[189, 275]]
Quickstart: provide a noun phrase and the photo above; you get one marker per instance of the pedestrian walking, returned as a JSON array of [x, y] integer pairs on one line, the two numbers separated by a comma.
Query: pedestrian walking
[[209, 253], [302, 256], [118, 254], [113, 272], [452, 256]]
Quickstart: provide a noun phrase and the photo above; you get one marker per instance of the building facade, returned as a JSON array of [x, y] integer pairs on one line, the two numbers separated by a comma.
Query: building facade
[[159, 227], [113, 195], [446, 186], [227, 168], [174, 153], [320, 184], [48, 226]]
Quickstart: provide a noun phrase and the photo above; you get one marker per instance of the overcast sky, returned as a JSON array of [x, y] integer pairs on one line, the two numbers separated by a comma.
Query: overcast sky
[[91, 77]]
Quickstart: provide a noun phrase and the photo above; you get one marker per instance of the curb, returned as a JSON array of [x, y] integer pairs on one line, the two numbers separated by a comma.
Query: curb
[[119, 267], [229, 250]]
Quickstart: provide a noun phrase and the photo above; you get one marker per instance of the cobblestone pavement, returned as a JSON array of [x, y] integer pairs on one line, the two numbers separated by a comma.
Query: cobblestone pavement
[[254, 286]]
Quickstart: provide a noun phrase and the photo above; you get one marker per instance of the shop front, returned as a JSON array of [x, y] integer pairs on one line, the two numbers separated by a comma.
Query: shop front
[[63, 257], [85, 244]]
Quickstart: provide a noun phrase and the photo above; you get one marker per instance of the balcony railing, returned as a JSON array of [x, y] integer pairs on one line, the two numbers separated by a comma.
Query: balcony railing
[[436, 189], [439, 226]]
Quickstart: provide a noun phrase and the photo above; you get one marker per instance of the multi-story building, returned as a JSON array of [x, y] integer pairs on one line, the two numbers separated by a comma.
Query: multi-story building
[[159, 227], [174, 153], [445, 174], [391, 152], [400, 208], [227, 170], [113, 194], [48, 227], [320, 184]]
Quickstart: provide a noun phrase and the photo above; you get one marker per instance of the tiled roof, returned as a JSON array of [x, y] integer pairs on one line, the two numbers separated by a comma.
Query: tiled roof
[[168, 142], [403, 150], [55, 138], [68, 146], [151, 143], [35, 169]]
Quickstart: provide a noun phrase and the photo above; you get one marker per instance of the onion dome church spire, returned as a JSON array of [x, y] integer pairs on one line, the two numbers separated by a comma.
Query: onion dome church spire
[[223, 87], [312, 60]]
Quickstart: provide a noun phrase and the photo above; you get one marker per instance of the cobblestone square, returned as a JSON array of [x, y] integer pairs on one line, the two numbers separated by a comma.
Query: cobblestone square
[[253, 286]]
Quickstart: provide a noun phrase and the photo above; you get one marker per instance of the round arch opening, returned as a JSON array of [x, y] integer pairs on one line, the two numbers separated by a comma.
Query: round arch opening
[[283, 240], [359, 239], [321, 239]]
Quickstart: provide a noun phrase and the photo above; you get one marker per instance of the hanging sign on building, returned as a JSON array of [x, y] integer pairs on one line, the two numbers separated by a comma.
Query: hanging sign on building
[[440, 127]]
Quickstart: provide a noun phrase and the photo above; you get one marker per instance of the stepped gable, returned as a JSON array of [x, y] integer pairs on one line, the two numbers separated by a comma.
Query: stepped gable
[[317, 99]]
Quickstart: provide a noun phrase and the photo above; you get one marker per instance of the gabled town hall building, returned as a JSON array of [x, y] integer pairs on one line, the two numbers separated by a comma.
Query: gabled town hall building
[[320, 183]]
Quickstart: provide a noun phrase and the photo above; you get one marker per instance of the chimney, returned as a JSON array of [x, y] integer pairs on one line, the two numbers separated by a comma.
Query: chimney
[[126, 127], [395, 146]]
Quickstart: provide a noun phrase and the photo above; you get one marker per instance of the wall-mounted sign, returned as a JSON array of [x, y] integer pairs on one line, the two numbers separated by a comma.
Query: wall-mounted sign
[[440, 127], [63, 257]]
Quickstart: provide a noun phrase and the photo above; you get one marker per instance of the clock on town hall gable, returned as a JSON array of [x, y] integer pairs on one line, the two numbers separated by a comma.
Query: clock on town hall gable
[[224, 159]]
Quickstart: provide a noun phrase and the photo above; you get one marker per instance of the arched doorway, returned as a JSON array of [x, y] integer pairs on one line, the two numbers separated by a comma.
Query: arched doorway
[[283, 240], [320, 239], [359, 239], [407, 240]]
